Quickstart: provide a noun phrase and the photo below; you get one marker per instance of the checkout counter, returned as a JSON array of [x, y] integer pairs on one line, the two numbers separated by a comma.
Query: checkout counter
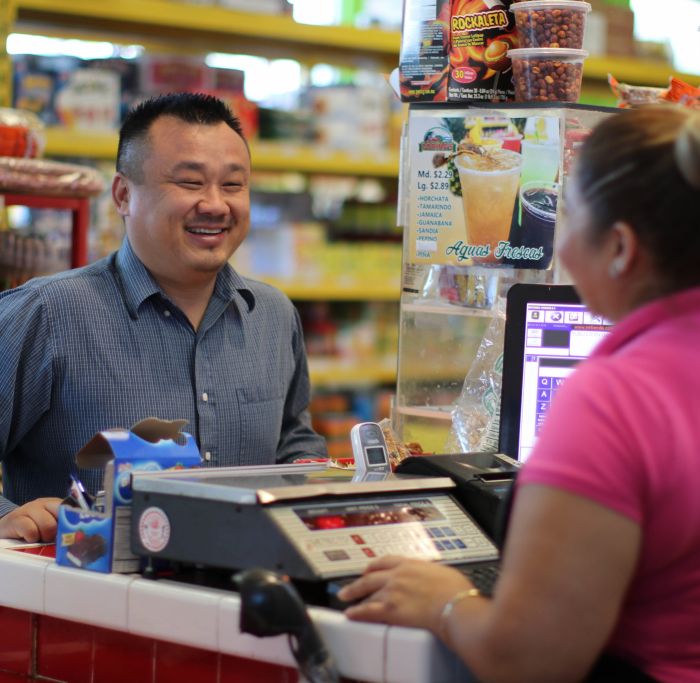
[[304, 521]]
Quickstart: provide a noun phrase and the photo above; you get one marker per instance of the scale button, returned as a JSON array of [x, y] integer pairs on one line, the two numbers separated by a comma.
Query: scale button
[[369, 552], [438, 545], [448, 531], [448, 545], [436, 532], [459, 543], [336, 555], [358, 539]]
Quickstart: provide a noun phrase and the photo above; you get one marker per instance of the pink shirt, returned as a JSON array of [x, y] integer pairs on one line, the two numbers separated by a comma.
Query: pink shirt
[[624, 431]]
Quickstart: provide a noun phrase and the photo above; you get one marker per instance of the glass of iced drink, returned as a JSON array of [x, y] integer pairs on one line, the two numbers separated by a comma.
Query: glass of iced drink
[[489, 180], [539, 202]]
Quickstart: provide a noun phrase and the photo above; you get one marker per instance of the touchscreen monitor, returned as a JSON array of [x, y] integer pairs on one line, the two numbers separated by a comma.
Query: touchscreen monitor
[[548, 332]]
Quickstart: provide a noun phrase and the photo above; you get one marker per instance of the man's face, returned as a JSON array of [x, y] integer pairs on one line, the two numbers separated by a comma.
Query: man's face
[[191, 210]]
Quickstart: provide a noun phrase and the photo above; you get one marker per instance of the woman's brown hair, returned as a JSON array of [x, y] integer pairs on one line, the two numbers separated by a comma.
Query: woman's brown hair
[[643, 167]]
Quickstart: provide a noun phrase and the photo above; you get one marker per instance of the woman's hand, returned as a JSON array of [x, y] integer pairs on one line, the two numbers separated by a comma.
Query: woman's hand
[[32, 522], [403, 592]]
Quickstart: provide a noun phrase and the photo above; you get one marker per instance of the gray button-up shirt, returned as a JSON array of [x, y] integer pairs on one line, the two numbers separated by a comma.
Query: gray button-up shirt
[[103, 347]]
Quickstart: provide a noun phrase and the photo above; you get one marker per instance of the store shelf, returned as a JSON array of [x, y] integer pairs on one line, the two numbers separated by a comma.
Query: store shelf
[[329, 372], [65, 142], [447, 309], [443, 413], [631, 70], [213, 26], [336, 290]]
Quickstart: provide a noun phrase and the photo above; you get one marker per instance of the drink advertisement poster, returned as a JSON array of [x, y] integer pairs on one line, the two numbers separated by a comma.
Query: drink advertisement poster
[[484, 186]]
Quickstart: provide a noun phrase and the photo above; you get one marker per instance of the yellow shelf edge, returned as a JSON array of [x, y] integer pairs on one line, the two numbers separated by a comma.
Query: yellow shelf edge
[[68, 142], [633, 70], [328, 371], [159, 14], [333, 291]]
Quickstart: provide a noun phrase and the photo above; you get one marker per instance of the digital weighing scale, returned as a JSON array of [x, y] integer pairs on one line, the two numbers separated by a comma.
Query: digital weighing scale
[[309, 522]]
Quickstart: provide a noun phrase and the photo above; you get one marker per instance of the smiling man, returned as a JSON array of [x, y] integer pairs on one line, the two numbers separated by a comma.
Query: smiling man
[[164, 327]]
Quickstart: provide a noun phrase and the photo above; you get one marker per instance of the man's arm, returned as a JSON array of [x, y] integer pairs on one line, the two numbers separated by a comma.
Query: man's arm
[[297, 438], [26, 375]]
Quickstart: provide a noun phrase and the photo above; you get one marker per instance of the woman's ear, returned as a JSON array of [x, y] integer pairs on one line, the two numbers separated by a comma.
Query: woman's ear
[[624, 249], [121, 194]]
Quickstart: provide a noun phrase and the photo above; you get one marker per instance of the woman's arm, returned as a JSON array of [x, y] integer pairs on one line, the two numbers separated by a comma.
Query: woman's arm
[[566, 568]]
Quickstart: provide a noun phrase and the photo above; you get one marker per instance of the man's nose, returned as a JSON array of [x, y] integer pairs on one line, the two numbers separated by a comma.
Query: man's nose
[[213, 201]]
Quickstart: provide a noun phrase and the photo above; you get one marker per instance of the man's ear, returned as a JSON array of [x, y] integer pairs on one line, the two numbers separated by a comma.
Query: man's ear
[[121, 194]]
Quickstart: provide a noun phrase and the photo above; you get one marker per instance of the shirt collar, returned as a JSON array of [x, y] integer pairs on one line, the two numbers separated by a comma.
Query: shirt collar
[[648, 316], [137, 284]]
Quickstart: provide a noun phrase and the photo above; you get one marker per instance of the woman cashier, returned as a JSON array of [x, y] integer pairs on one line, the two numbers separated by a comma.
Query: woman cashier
[[603, 551]]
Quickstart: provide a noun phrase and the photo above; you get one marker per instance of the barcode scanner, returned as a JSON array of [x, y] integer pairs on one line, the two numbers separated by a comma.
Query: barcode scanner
[[271, 606]]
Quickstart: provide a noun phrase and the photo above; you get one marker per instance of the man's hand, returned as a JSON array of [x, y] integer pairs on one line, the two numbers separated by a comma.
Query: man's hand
[[32, 522]]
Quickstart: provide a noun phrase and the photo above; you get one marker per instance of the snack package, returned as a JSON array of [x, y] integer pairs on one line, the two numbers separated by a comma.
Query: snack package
[[481, 33], [629, 96], [423, 63], [678, 92], [682, 93]]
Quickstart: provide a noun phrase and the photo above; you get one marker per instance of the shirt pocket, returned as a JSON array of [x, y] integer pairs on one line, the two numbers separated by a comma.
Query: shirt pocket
[[261, 410]]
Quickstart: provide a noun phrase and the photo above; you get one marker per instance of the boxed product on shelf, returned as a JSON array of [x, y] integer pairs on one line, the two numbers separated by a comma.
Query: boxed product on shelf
[[89, 99], [351, 118]]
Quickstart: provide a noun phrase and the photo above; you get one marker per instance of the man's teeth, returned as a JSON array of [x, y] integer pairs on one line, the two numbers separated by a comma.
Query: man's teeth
[[205, 231]]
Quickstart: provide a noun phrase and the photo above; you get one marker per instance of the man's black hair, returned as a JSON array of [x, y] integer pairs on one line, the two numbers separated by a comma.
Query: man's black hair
[[194, 108]]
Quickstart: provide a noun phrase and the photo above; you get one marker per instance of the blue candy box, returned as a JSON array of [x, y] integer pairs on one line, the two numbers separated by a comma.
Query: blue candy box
[[98, 539]]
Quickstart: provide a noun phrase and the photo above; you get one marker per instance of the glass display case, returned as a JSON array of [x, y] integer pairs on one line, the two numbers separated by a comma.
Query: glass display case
[[481, 203]]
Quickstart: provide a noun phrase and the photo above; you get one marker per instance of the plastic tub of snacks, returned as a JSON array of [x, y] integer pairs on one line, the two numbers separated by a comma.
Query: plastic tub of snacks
[[547, 74], [550, 23]]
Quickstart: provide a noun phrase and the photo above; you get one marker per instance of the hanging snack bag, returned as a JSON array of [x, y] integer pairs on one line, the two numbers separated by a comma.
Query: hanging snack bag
[[481, 33], [423, 62]]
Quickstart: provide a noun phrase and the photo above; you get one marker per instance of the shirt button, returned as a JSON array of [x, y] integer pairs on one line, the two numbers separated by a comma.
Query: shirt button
[[205, 397], [166, 313], [207, 456]]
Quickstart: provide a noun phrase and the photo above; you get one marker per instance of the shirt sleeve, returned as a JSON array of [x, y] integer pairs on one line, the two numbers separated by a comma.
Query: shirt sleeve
[[297, 438], [27, 368], [589, 445]]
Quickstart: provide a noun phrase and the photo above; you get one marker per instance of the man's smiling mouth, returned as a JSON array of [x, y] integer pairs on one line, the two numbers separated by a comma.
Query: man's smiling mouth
[[206, 231]]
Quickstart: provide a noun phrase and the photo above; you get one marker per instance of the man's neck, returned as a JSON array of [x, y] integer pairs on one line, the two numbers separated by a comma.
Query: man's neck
[[192, 300]]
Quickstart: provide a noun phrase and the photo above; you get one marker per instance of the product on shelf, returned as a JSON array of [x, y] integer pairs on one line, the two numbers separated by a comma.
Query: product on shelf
[[21, 134], [547, 74], [89, 99], [423, 61], [456, 50], [481, 34], [39, 176], [630, 96], [550, 23]]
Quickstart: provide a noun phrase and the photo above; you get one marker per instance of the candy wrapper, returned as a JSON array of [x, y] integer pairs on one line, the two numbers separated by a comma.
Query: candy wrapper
[[678, 92]]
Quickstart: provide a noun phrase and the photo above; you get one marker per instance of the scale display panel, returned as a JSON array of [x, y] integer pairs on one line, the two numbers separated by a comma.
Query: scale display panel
[[341, 538]]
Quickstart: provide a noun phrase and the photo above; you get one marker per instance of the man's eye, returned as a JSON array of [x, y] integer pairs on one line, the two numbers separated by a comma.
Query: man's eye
[[189, 182]]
